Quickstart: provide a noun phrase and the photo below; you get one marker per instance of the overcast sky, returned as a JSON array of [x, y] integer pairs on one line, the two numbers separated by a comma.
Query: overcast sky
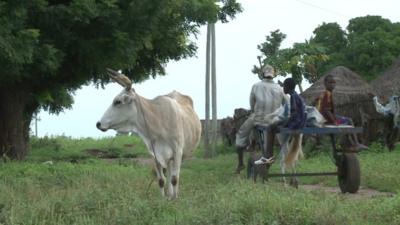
[[236, 54]]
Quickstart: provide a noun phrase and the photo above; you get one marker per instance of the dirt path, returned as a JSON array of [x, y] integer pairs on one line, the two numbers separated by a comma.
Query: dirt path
[[363, 192]]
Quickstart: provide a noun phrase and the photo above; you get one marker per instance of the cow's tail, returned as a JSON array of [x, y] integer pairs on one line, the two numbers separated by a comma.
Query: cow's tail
[[295, 152]]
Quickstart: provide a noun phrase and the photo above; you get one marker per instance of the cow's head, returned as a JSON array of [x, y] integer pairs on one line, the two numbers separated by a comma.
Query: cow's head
[[121, 113]]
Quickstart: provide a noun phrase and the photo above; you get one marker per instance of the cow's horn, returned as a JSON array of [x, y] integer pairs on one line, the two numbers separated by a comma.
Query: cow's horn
[[120, 78]]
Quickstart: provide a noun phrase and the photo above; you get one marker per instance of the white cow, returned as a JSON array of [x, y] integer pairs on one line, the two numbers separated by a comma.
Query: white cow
[[167, 124]]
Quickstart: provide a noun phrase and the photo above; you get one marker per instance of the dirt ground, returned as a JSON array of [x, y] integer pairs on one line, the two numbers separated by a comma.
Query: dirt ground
[[363, 192]]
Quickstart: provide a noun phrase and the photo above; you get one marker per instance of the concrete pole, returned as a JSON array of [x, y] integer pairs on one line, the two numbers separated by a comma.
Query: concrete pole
[[207, 153], [214, 91]]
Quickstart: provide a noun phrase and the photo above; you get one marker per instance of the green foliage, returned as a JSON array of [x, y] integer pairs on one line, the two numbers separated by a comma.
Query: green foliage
[[376, 43], [368, 45], [331, 36], [300, 61], [270, 51], [49, 49], [229, 9], [54, 47], [377, 147], [99, 192]]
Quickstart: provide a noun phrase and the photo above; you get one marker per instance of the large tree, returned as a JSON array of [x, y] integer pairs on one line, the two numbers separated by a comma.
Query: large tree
[[367, 46], [48, 49], [334, 40]]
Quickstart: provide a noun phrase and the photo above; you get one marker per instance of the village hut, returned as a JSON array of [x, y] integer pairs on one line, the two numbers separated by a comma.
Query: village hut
[[352, 98], [388, 83]]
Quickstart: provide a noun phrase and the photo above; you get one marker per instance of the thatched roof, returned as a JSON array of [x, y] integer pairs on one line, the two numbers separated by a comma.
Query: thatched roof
[[351, 94], [388, 83]]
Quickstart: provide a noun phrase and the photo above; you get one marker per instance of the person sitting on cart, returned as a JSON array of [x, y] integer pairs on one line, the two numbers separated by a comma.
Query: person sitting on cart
[[324, 103], [296, 119], [266, 96]]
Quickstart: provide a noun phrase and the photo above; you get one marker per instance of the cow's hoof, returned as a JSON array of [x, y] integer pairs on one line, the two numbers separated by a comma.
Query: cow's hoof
[[294, 183]]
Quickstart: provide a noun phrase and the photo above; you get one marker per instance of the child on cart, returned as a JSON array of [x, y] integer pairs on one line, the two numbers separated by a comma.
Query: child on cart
[[324, 103], [296, 119]]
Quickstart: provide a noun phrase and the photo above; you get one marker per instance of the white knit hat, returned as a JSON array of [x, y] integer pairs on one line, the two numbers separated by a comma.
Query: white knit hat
[[268, 71]]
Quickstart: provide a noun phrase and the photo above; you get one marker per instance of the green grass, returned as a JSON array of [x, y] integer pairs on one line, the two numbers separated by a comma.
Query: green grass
[[63, 148], [94, 191]]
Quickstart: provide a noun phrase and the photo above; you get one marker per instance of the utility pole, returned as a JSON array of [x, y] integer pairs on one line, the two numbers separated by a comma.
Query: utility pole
[[207, 153], [210, 149], [36, 117], [214, 92]]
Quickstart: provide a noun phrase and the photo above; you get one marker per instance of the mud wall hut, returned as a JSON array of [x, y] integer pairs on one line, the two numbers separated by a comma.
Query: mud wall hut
[[352, 98], [388, 83]]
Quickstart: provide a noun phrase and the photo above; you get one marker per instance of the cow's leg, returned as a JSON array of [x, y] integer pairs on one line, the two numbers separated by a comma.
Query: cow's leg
[[283, 140], [294, 182], [160, 177], [175, 170], [160, 170], [168, 188], [283, 155], [163, 155], [295, 151], [283, 171]]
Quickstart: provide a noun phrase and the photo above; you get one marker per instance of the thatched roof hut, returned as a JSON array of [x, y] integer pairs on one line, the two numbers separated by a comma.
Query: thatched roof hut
[[388, 83], [352, 96]]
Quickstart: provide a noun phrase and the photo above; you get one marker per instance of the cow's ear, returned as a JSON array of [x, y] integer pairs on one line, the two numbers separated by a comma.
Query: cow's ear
[[126, 99]]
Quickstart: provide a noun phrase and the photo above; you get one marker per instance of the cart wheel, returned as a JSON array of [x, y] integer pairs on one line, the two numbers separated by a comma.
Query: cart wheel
[[349, 173]]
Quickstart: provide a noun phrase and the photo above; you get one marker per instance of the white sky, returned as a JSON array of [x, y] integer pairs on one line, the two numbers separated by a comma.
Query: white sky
[[237, 52]]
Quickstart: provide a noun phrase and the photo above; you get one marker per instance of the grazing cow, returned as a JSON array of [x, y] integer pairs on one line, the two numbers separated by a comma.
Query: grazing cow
[[230, 126], [167, 124], [227, 131]]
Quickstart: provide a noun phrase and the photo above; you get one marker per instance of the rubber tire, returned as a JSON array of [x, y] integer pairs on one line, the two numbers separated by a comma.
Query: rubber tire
[[349, 173]]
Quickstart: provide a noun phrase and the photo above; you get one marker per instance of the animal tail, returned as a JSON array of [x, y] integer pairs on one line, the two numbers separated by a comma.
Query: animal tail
[[295, 151]]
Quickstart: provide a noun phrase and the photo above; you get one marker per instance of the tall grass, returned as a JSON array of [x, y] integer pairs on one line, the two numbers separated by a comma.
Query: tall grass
[[93, 191]]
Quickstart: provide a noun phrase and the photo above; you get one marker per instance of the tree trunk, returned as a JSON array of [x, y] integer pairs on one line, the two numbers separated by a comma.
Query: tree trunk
[[14, 122]]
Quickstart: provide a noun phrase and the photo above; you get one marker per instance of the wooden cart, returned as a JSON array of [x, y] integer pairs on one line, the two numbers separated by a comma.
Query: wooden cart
[[345, 158]]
